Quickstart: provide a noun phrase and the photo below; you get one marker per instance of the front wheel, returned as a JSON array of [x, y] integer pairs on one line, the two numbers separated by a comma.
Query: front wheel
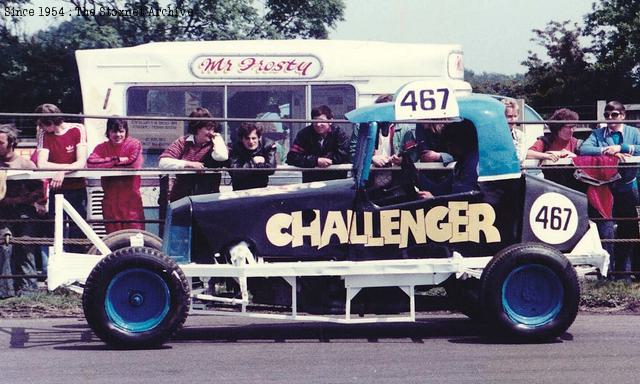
[[530, 292], [136, 298]]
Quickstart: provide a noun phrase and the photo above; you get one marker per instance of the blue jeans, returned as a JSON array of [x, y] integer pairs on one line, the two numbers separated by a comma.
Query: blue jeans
[[17, 259], [624, 206], [607, 231], [6, 285]]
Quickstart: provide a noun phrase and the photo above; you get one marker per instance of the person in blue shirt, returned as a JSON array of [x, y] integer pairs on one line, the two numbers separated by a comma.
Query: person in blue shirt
[[619, 140]]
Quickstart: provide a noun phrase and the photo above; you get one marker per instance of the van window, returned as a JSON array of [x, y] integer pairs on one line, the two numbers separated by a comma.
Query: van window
[[174, 101], [268, 103], [156, 135], [340, 98]]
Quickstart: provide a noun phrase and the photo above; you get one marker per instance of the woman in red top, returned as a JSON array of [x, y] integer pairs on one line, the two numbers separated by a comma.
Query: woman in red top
[[559, 142], [122, 199]]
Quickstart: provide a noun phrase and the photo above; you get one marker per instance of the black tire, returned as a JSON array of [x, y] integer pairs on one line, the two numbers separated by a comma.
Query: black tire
[[136, 298], [464, 296], [529, 293], [121, 239]]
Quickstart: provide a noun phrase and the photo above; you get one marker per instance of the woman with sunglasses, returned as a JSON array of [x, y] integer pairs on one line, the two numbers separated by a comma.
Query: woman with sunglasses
[[619, 140]]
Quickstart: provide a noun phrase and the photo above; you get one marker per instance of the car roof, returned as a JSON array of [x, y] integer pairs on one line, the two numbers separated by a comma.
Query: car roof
[[497, 155]]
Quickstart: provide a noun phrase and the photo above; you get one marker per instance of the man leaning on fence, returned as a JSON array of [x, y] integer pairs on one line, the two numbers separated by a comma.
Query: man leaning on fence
[[320, 145], [63, 146], [16, 206], [619, 140]]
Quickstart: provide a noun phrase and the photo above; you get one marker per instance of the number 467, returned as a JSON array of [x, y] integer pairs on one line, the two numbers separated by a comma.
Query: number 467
[[555, 218], [425, 100]]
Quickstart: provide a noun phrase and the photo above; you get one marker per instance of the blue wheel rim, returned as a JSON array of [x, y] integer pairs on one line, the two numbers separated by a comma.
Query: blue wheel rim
[[532, 295], [137, 300]]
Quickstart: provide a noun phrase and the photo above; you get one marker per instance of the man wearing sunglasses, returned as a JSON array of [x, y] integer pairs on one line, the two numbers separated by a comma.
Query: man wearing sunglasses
[[619, 140]]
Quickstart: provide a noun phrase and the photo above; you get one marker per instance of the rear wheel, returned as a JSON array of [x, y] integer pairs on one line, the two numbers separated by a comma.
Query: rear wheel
[[122, 239], [136, 298], [530, 292]]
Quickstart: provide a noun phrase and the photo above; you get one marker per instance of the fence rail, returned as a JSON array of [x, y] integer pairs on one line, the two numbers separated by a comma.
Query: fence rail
[[92, 173]]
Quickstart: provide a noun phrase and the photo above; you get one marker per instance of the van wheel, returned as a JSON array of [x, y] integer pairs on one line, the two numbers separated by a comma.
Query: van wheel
[[135, 298], [530, 292], [122, 239]]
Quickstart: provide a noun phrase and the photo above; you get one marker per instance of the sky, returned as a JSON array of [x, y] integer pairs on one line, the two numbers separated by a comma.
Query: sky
[[495, 34]]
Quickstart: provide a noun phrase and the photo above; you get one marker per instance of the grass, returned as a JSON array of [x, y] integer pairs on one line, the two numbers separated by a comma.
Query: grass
[[610, 296], [599, 296], [60, 303]]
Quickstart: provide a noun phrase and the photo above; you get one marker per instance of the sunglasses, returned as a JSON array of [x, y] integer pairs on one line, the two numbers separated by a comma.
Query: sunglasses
[[611, 115]]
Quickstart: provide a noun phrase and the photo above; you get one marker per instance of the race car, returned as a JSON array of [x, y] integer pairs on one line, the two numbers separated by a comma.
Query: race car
[[504, 251]]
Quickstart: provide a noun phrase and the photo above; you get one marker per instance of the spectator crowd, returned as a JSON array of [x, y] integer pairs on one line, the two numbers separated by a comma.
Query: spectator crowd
[[252, 158]]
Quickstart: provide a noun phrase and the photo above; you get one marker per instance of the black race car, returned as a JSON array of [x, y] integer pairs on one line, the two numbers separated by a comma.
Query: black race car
[[503, 249]]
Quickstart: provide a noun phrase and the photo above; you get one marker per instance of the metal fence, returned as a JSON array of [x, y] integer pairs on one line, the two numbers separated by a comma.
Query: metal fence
[[26, 122]]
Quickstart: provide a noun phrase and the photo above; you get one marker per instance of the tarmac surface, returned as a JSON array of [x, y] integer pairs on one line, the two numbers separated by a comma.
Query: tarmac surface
[[439, 348]]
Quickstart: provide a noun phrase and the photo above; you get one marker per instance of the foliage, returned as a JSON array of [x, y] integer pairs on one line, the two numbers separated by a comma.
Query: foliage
[[8, 23], [495, 83], [566, 79], [614, 25], [577, 76], [47, 63], [304, 18], [188, 20], [214, 19]]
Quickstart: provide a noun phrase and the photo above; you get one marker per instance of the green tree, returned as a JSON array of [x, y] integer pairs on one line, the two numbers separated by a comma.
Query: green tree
[[42, 67], [10, 64], [613, 25], [303, 18], [496, 83], [566, 77], [213, 19], [9, 22]]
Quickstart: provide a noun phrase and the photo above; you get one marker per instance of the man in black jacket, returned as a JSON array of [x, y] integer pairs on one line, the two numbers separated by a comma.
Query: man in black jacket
[[251, 150], [320, 144]]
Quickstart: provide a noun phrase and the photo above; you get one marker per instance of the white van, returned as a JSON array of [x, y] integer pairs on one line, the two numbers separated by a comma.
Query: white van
[[247, 79], [250, 79]]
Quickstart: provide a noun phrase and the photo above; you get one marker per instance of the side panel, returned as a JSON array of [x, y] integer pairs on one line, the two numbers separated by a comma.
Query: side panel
[[292, 222], [430, 228], [553, 214]]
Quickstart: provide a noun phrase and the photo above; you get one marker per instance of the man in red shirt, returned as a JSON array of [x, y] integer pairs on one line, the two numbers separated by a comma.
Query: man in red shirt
[[63, 146]]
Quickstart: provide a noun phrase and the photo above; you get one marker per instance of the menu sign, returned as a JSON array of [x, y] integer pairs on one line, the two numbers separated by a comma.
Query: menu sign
[[156, 134]]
